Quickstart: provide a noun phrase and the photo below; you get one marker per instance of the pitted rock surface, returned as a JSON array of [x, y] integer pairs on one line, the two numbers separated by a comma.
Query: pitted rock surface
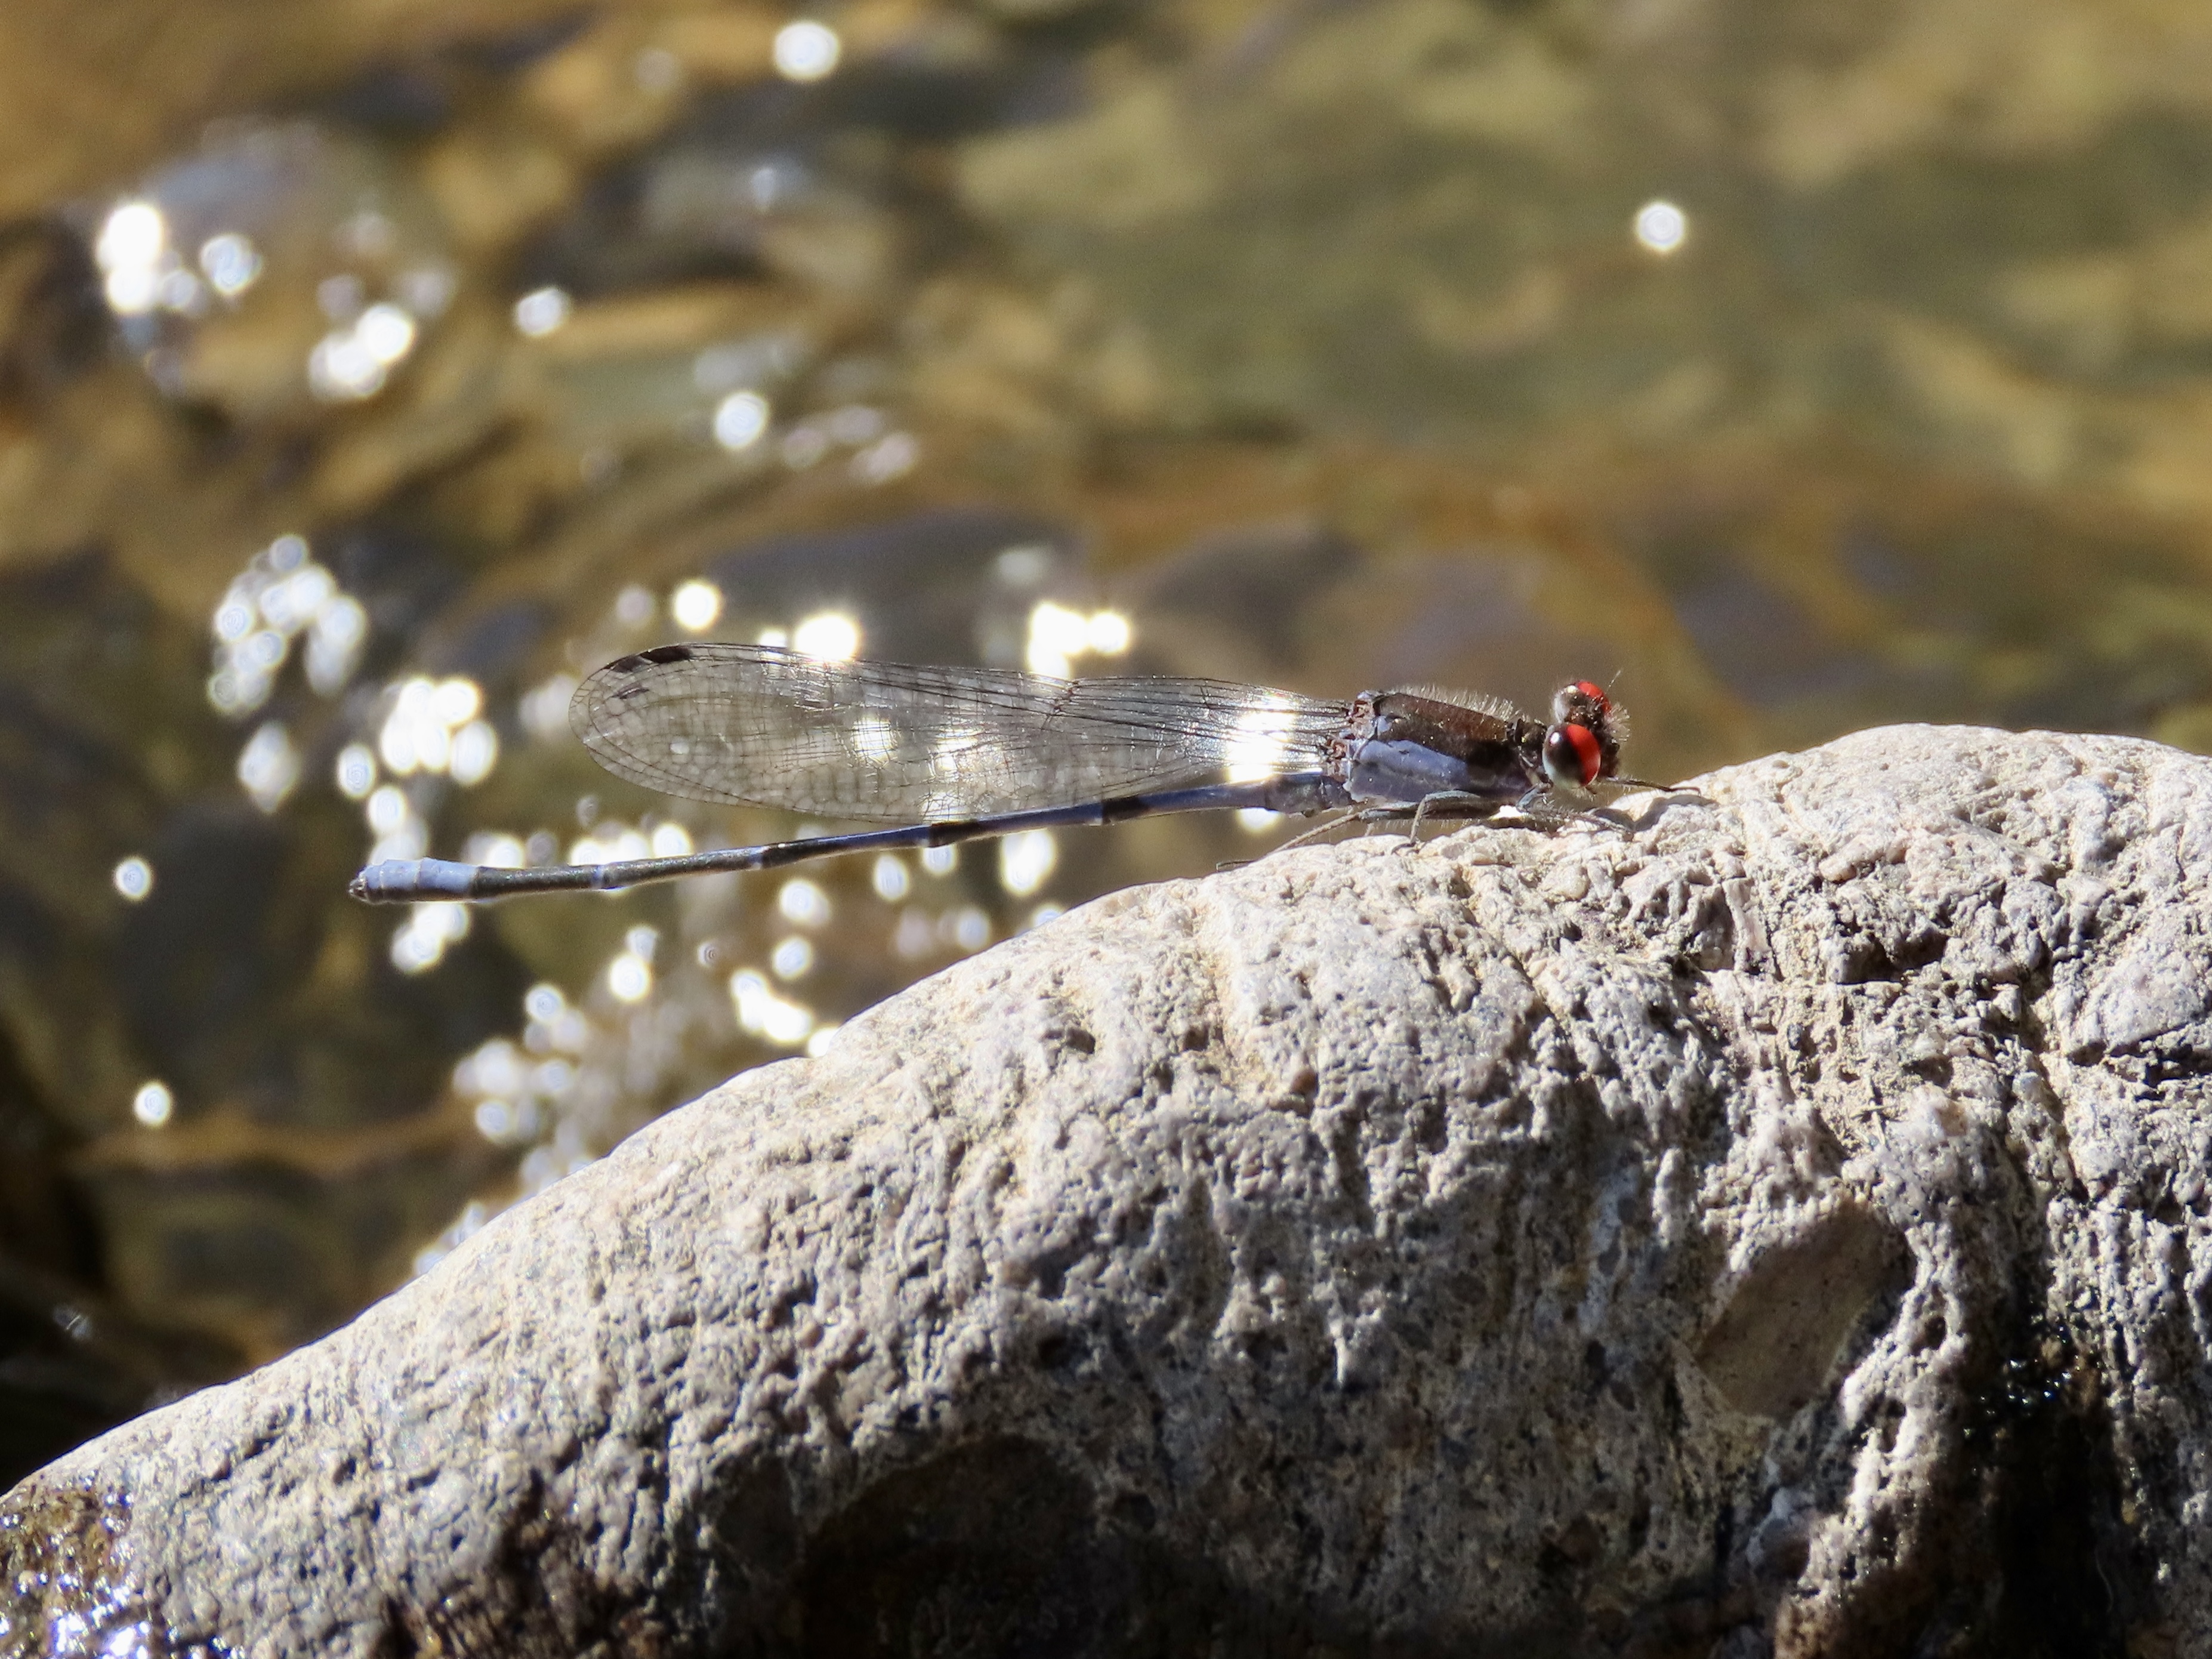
[[1777, 1225]]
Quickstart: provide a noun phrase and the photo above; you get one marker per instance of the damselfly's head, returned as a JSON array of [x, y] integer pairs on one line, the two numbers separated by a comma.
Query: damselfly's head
[[1583, 747]]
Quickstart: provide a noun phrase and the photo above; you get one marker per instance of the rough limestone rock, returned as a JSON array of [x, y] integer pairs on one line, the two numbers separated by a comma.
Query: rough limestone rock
[[1779, 1225]]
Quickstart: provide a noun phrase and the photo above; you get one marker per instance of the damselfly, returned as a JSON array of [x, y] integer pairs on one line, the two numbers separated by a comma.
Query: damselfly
[[955, 754]]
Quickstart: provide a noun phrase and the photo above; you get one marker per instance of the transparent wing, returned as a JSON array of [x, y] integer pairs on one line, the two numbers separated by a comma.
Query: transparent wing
[[889, 741]]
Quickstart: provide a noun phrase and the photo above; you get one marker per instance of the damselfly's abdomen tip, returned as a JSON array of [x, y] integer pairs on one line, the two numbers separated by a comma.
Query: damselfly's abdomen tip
[[398, 881]]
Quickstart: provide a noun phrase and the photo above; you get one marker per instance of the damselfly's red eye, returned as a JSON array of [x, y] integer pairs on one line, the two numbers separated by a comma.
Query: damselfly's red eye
[[1597, 695], [1571, 756]]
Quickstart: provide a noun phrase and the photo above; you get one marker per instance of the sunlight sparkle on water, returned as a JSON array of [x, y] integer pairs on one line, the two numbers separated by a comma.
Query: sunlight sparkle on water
[[1661, 227], [1109, 633], [1058, 636], [492, 847], [968, 928], [495, 1068], [232, 262], [433, 727], [915, 937], [420, 944], [456, 701], [802, 903], [134, 233], [153, 1104], [1026, 859], [806, 50], [353, 362], [269, 766], [630, 977], [741, 419], [829, 635], [131, 252], [545, 707], [386, 332], [763, 1013], [611, 843], [695, 605], [280, 594], [387, 809], [133, 878], [541, 311], [476, 752]]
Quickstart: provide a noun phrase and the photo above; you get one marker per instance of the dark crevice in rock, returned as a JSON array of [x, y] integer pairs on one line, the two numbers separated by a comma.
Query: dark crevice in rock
[[2070, 1580], [995, 1551]]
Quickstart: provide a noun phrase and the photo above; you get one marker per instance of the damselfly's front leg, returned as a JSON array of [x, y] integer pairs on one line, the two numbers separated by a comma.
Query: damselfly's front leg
[[1545, 807], [1541, 806], [1444, 804]]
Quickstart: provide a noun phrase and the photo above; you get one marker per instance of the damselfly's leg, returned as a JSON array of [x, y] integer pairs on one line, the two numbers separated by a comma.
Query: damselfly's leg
[[1444, 804], [1449, 804], [1544, 807], [1333, 821]]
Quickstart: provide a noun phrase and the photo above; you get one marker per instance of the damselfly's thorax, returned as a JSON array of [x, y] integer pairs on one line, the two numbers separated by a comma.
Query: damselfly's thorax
[[1402, 747]]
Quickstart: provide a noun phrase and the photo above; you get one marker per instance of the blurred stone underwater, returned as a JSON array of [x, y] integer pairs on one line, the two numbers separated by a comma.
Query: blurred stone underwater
[[369, 373]]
